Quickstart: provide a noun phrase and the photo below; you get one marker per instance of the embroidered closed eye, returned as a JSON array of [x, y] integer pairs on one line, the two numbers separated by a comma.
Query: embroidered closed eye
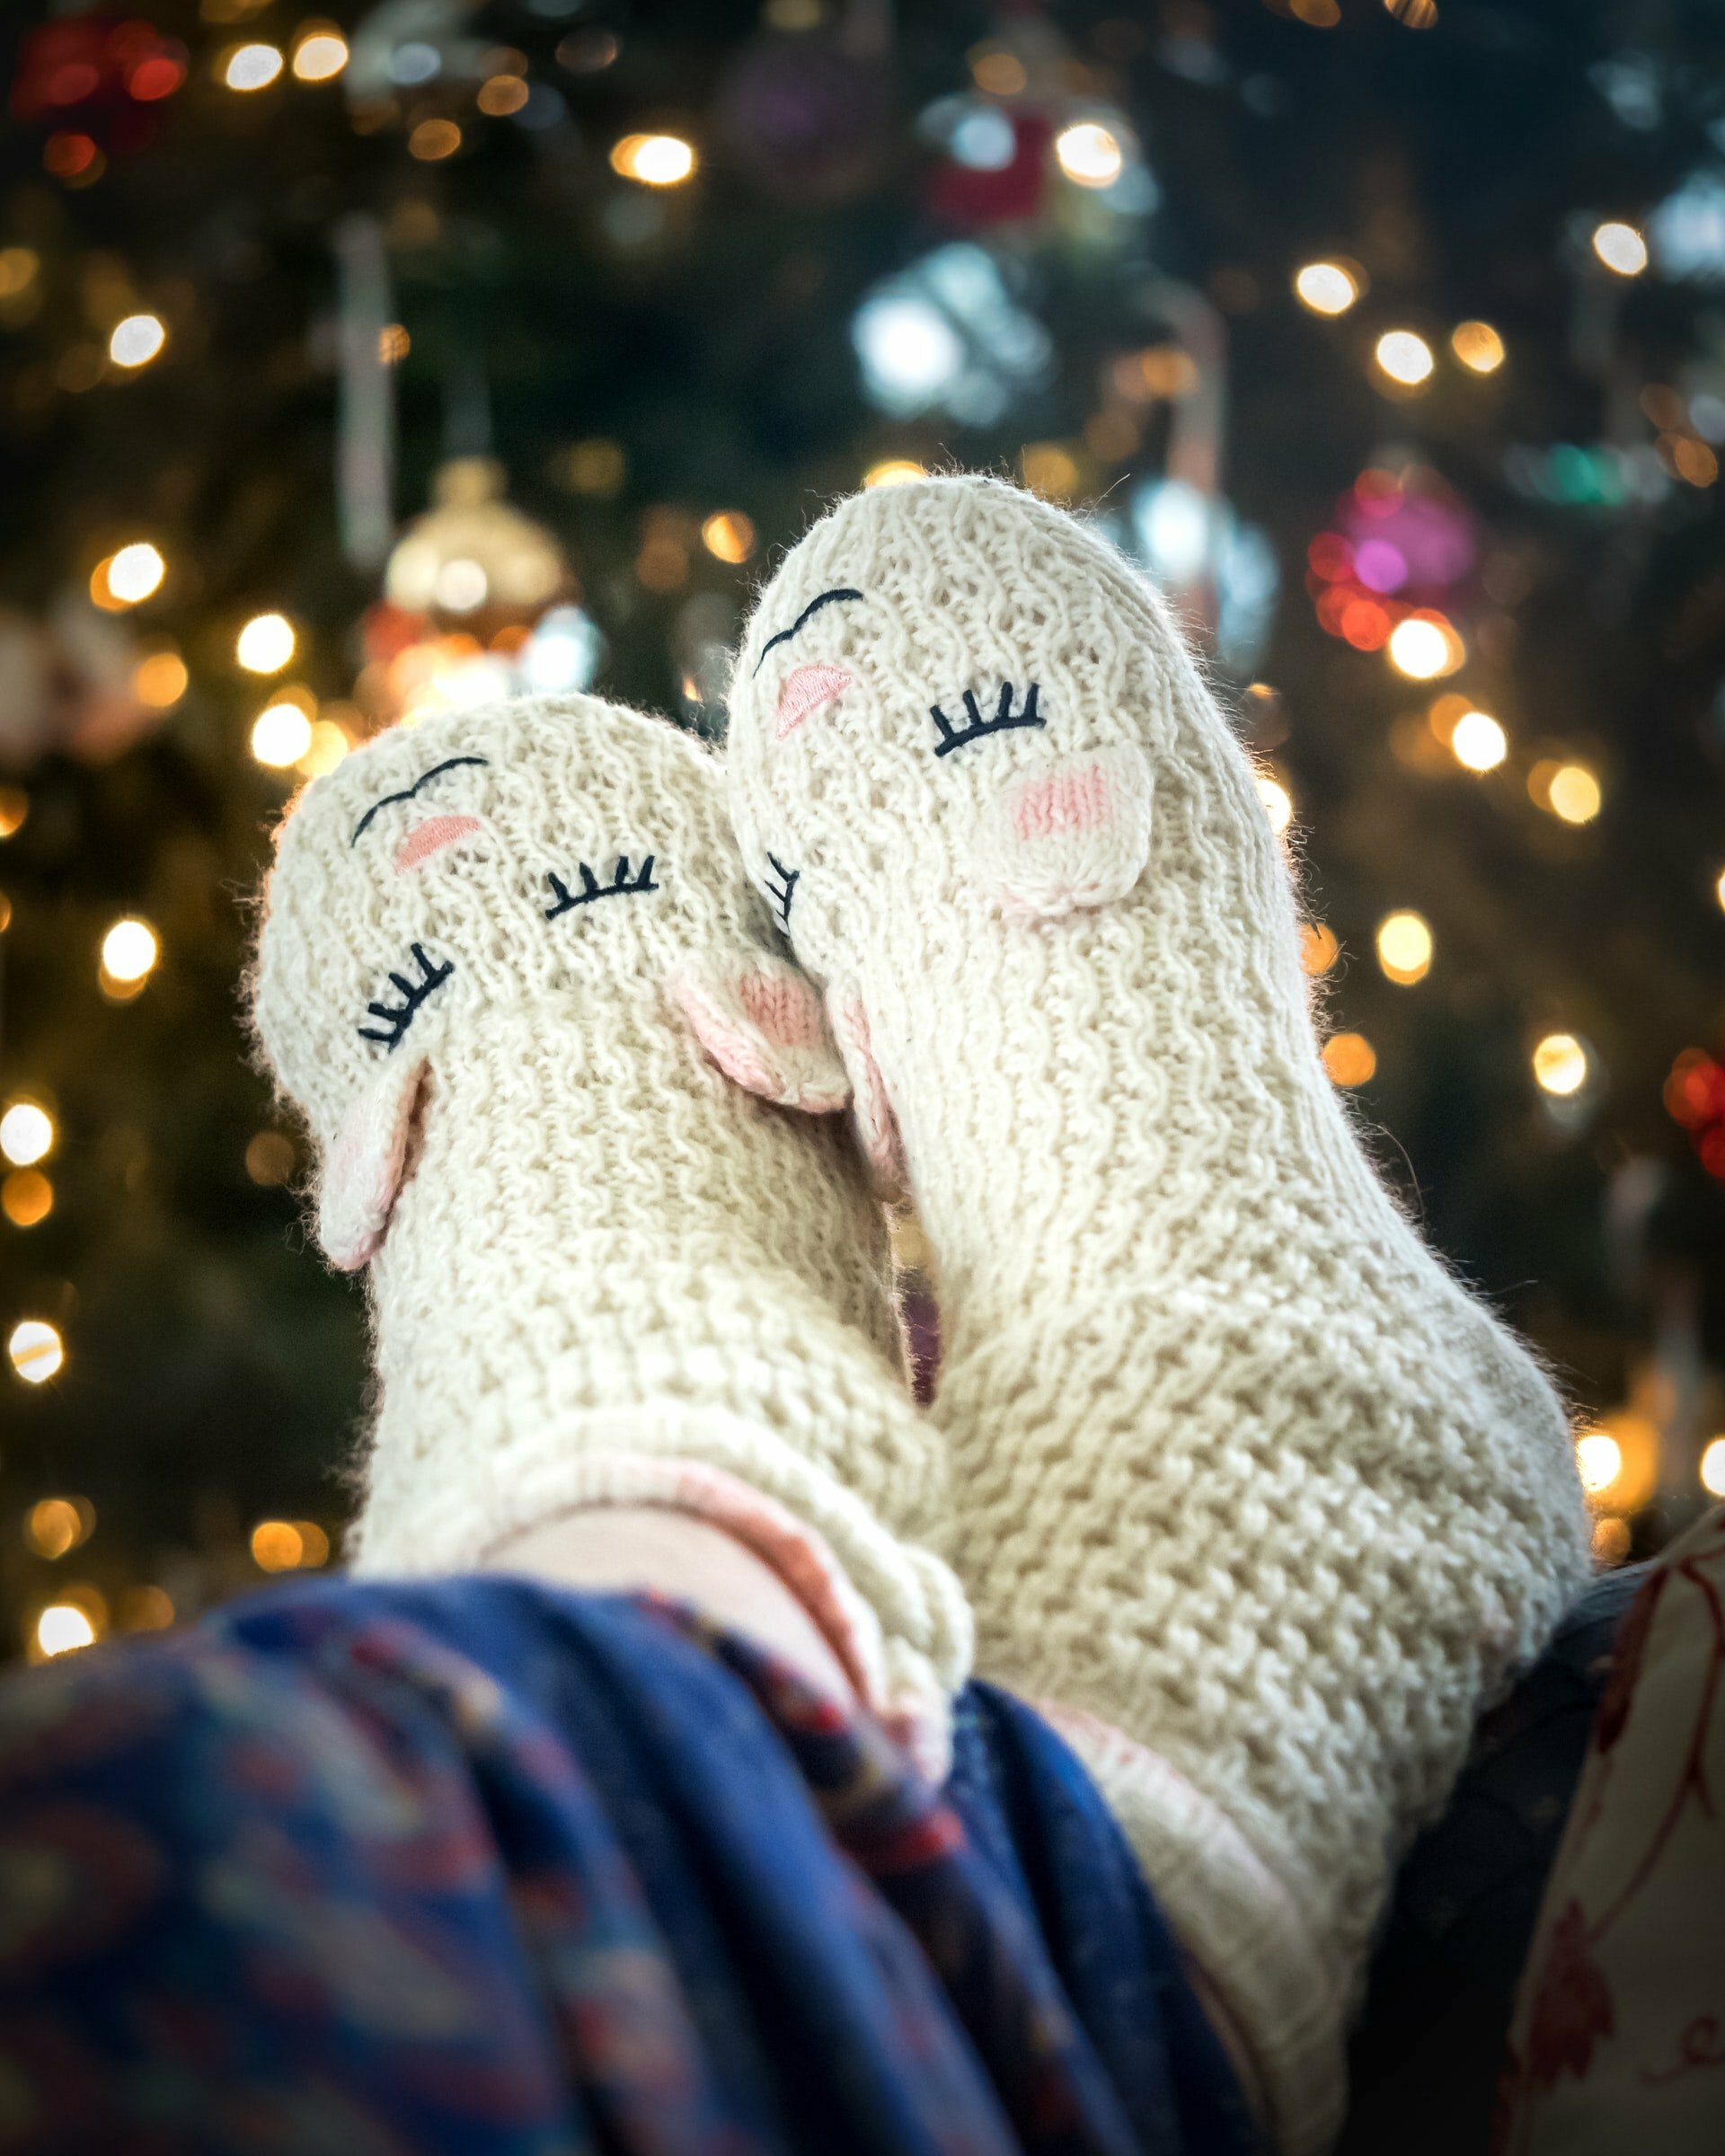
[[781, 893], [620, 885], [1004, 718], [408, 793], [398, 1017]]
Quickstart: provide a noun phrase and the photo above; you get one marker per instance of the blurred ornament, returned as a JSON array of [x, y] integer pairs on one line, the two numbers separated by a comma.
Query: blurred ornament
[[69, 685], [808, 115], [995, 165], [473, 558], [947, 335]]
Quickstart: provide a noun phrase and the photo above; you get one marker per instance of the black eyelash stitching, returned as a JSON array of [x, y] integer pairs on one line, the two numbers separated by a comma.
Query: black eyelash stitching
[[784, 893], [413, 994], [407, 793], [591, 887], [814, 607], [1004, 717]]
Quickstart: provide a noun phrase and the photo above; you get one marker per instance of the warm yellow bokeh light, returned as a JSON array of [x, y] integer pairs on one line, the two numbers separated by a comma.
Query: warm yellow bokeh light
[[1326, 288], [1477, 742], [62, 1628], [1572, 792], [1279, 802], [1598, 1460], [129, 577], [266, 644], [1404, 947], [26, 1133], [136, 340], [36, 1350], [161, 680], [433, 140], [894, 471], [1611, 1539], [1350, 1058], [54, 1526], [1319, 949], [1405, 357], [730, 536], [320, 55], [1712, 1467], [1560, 1064], [328, 745], [501, 95], [1620, 247], [251, 67], [1719, 889], [1420, 649], [1478, 345], [129, 951], [276, 1546], [281, 736], [1090, 154], [654, 160], [26, 1197]]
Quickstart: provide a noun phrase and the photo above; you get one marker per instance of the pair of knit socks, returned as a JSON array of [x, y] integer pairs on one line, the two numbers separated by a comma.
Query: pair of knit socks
[[1240, 1483]]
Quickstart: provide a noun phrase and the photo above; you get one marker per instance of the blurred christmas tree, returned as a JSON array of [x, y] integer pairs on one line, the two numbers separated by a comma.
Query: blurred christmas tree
[[1391, 339]]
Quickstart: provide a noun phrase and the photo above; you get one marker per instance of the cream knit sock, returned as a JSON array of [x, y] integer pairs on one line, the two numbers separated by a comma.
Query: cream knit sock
[[1251, 1490], [502, 953]]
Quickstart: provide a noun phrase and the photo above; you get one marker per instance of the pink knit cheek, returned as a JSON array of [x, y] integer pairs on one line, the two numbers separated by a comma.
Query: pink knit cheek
[[430, 837], [1067, 800], [806, 691]]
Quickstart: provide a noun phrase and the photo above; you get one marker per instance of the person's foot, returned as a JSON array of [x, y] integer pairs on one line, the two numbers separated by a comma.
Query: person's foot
[[502, 955], [1249, 1489]]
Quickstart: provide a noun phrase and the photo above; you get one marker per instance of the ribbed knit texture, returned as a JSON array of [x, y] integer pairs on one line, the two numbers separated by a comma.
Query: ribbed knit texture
[[1249, 1487], [600, 1271]]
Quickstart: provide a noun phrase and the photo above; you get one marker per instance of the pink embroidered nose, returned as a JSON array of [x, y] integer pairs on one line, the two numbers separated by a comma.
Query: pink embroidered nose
[[430, 837], [805, 690]]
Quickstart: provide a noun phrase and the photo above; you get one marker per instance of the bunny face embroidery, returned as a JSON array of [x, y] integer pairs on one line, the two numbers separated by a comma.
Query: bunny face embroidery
[[539, 861]]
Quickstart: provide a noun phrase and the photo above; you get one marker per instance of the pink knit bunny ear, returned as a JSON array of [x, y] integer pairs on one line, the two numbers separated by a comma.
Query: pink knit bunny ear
[[877, 1124], [364, 1168], [761, 1022], [1072, 835]]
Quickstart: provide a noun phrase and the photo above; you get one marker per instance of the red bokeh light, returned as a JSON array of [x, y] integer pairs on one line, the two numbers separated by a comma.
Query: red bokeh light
[[67, 156]]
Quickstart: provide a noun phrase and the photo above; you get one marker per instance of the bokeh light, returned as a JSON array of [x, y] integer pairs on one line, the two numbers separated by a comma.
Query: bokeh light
[[1598, 1460], [654, 160], [129, 951], [266, 644], [729, 536], [1477, 741], [1350, 1058], [1572, 794], [1610, 1540], [62, 1628], [320, 55], [1326, 288], [54, 1525], [1319, 949], [251, 67], [1404, 946], [1478, 345], [281, 736], [1712, 1467], [1560, 1064], [276, 1546], [26, 1133], [128, 577], [433, 140], [26, 1197], [1090, 154], [136, 340], [160, 680], [894, 471], [1279, 802], [36, 1350], [501, 95], [1423, 645], [1405, 357], [1621, 248]]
